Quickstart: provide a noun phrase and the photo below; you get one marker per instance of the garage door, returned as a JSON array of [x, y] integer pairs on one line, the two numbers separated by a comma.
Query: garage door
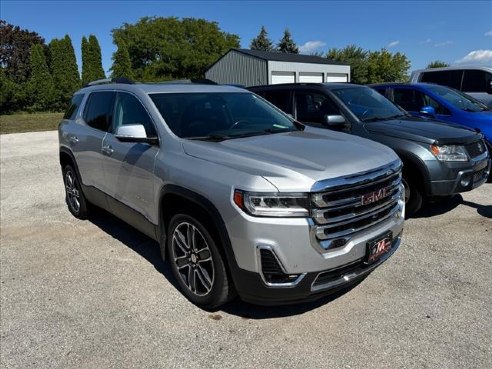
[[336, 77], [283, 77], [311, 77]]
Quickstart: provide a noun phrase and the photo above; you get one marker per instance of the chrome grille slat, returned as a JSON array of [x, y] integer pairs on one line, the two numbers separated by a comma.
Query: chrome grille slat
[[355, 216], [351, 201], [347, 232], [332, 222], [344, 206]]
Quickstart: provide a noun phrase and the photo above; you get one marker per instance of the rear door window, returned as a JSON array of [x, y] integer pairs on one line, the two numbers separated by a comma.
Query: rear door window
[[476, 81], [99, 110], [450, 78], [280, 98]]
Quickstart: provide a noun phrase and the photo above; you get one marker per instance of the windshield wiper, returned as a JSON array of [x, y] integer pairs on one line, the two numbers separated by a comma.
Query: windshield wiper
[[279, 130], [212, 137], [375, 119]]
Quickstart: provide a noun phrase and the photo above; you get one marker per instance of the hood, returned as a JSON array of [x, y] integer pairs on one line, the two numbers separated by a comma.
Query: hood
[[423, 130], [293, 161]]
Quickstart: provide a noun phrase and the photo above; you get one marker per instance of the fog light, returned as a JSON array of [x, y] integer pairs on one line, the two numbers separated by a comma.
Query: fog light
[[465, 180]]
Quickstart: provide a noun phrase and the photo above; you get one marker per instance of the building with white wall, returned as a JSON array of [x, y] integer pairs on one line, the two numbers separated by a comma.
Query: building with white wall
[[254, 67]]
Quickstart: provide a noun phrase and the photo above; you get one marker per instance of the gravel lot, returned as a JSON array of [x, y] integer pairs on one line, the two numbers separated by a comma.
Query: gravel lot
[[94, 294]]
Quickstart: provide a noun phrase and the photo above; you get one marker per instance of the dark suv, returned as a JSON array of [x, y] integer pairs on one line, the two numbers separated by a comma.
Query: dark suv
[[439, 160]]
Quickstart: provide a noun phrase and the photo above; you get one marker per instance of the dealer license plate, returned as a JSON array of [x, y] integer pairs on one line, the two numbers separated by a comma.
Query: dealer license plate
[[378, 247]]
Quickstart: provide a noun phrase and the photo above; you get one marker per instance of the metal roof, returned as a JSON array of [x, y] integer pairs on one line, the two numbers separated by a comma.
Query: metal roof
[[286, 57]]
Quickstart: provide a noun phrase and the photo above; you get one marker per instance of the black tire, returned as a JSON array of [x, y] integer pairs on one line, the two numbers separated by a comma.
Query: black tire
[[201, 274], [74, 197], [414, 198]]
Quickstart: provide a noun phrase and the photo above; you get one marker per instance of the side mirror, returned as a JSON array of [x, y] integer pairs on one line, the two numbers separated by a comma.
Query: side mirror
[[333, 120], [134, 133], [428, 111]]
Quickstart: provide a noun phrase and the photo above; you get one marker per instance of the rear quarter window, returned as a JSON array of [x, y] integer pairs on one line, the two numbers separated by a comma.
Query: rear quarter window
[[73, 107], [476, 81], [450, 78]]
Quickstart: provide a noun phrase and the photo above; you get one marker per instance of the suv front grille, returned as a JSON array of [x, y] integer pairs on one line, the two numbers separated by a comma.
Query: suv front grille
[[475, 149], [348, 205]]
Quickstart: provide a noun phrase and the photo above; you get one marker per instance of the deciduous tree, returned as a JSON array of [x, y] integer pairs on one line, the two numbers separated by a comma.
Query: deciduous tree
[[354, 56], [384, 66], [437, 64], [15, 48], [172, 48]]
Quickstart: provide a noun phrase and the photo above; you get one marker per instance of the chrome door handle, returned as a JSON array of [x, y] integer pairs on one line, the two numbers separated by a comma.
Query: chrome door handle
[[107, 150], [73, 140]]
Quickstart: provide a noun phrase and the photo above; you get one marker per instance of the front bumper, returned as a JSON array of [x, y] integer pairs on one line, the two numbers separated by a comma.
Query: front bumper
[[460, 177], [312, 286]]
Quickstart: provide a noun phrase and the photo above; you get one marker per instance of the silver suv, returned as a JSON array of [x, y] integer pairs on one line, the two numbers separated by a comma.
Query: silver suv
[[241, 198]]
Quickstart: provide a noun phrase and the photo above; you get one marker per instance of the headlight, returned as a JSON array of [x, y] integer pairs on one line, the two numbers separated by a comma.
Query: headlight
[[450, 152], [273, 204]]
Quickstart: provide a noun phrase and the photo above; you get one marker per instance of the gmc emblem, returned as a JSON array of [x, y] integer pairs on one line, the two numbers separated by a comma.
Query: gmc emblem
[[371, 197]]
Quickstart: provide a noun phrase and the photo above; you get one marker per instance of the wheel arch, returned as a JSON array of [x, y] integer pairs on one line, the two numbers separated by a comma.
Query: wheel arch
[[174, 198], [414, 164]]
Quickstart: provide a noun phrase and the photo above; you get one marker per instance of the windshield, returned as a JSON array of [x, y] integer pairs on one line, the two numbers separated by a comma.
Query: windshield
[[368, 104], [457, 99], [220, 115]]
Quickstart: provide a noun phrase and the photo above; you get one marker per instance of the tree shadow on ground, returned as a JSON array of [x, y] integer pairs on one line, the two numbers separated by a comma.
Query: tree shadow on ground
[[149, 249]]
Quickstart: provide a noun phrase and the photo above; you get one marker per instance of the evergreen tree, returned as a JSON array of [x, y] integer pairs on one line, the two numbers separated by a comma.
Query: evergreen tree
[[40, 85], [96, 59], [64, 70], [287, 45], [86, 74], [262, 42], [122, 66], [91, 60]]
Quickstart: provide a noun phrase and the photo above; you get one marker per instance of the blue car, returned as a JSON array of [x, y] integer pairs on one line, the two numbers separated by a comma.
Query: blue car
[[441, 103]]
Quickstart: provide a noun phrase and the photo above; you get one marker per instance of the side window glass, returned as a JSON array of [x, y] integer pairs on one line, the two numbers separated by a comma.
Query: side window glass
[[313, 106], [129, 110], [279, 98], [440, 109], [450, 78], [406, 99], [98, 110], [73, 107], [475, 81]]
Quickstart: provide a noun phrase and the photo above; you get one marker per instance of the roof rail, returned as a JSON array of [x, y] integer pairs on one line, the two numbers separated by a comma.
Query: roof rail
[[200, 81], [110, 80]]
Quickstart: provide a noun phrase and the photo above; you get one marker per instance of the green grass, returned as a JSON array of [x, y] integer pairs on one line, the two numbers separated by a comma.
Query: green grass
[[24, 122]]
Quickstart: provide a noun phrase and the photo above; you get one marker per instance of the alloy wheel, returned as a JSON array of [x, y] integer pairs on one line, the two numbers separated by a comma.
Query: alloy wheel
[[72, 190], [193, 258]]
